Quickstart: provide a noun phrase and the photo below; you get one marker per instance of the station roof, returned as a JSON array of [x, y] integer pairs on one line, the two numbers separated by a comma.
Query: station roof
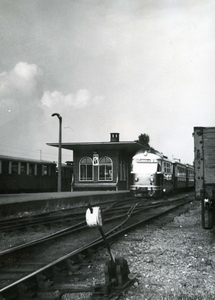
[[127, 146]]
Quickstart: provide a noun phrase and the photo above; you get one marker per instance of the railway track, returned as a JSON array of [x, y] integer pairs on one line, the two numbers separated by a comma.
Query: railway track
[[21, 278], [52, 217], [76, 220]]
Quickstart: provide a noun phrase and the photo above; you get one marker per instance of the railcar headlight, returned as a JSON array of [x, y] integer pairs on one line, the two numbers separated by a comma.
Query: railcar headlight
[[136, 179], [152, 178]]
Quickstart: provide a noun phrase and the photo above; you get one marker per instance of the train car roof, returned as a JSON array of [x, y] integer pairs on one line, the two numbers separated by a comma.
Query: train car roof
[[21, 159], [176, 162], [156, 155]]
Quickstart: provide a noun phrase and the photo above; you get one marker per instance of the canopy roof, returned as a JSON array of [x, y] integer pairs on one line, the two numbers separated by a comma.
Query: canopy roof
[[94, 146]]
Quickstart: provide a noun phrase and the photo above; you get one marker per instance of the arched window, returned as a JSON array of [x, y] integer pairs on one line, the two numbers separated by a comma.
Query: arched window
[[86, 169], [105, 168]]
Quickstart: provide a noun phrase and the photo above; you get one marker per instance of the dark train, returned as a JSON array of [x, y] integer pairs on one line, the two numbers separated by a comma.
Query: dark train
[[204, 163], [21, 175], [154, 175]]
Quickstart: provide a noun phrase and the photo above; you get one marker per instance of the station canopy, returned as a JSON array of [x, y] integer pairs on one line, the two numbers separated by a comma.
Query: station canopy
[[131, 147]]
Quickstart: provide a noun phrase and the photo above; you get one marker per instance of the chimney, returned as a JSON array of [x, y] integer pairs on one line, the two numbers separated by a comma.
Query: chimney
[[114, 137]]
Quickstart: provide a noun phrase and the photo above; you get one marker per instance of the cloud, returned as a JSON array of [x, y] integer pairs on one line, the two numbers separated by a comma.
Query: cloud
[[26, 71], [19, 90], [80, 100], [20, 81]]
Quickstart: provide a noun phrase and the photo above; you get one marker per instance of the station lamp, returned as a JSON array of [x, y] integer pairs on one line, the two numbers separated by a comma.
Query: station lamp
[[59, 150]]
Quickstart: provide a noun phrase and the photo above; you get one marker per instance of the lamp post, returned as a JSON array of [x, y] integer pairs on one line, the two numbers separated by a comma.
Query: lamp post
[[59, 150]]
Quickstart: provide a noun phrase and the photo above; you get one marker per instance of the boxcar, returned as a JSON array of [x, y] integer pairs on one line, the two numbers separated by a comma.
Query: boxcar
[[204, 163]]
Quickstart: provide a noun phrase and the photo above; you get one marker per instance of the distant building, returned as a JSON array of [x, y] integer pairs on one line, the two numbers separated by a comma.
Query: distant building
[[101, 165]]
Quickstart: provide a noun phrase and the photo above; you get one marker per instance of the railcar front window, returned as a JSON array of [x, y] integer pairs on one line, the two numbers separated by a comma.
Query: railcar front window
[[147, 168]]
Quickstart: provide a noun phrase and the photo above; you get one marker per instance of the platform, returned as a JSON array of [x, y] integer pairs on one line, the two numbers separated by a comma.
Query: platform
[[19, 204]]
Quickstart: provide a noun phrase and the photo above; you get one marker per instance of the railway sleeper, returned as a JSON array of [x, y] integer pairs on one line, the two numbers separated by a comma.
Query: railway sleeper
[[27, 290], [116, 281], [44, 280], [59, 272]]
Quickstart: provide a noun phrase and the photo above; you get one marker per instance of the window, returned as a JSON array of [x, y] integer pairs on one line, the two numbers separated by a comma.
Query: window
[[31, 169], [15, 167], [39, 169], [167, 168], [47, 170], [86, 169], [191, 174], [144, 167], [181, 172], [23, 168], [159, 167], [105, 168], [122, 169], [5, 167]]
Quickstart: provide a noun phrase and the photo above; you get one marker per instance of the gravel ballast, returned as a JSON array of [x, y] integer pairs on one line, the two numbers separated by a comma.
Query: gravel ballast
[[172, 258]]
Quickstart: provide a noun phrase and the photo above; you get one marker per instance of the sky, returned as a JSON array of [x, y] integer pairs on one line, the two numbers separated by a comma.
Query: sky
[[127, 66]]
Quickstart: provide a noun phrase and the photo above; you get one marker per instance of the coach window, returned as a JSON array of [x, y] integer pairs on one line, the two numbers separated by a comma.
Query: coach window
[[5, 167], [31, 169], [46, 170], [23, 168], [86, 169], [105, 169], [14, 168], [181, 172], [167, 168]]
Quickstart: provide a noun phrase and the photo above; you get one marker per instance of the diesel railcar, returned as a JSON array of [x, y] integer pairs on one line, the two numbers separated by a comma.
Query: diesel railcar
[[22, 175], [154, 175]]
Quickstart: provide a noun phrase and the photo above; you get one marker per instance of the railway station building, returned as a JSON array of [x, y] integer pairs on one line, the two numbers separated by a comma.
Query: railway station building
[[101, 165]]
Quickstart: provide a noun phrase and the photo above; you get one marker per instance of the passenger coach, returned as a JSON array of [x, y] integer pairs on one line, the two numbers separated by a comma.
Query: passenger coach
[[22, 175], [179, 175], [26, 175]]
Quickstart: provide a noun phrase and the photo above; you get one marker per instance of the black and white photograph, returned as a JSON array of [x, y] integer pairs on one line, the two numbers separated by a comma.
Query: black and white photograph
[[107, 149]]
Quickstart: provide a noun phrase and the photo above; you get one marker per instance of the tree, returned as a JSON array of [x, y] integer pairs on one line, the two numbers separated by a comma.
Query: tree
[[144, 140]]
